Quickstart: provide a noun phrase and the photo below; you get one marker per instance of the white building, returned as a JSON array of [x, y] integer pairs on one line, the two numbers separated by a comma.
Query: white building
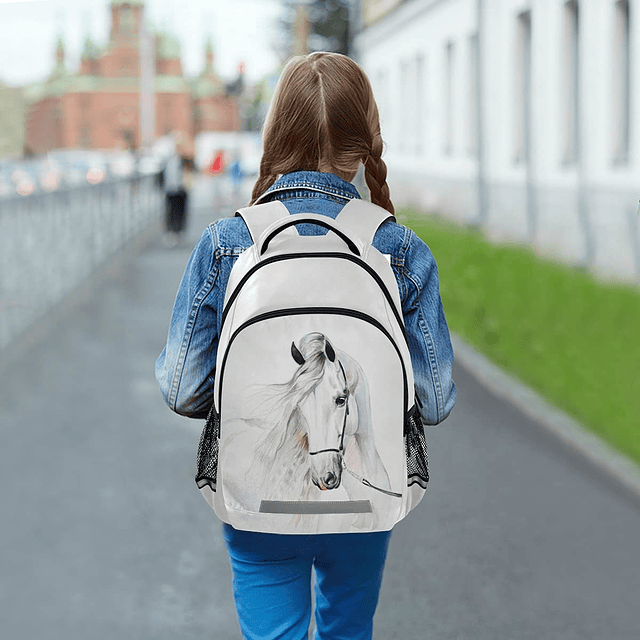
[[517, 115]]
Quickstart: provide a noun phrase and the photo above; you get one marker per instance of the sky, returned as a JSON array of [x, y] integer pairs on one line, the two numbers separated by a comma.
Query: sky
[[241, 31]]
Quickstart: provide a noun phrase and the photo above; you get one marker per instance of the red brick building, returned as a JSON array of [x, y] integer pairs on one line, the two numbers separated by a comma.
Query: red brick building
[[99, 107]]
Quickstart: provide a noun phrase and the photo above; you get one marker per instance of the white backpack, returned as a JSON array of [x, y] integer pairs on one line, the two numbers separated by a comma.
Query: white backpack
[[313, 427]]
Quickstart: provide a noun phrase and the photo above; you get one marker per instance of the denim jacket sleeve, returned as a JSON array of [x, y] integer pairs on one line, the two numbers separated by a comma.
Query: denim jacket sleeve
[[185, 370], [427, 331]]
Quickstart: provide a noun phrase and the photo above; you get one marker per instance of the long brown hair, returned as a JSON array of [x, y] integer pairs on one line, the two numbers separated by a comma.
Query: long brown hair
[[323, 117]]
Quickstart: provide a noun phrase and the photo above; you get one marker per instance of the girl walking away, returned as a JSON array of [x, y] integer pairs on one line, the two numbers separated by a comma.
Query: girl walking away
[[177, 183], [321, 126]]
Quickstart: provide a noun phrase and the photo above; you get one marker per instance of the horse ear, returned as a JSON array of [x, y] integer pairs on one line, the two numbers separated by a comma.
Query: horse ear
[[331, 354], [297, 356]]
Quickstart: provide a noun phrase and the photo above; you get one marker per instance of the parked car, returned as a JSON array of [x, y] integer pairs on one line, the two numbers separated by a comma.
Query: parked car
[[149, 164], [50, 175], [73, 166], [122, 164], [98, 169], [24, 179]]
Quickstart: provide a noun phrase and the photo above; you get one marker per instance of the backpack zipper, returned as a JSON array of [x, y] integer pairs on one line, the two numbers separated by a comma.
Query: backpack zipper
[[319, 311], [326, 254]]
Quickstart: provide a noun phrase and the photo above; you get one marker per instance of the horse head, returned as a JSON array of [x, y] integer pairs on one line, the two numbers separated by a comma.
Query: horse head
[[324, 408]]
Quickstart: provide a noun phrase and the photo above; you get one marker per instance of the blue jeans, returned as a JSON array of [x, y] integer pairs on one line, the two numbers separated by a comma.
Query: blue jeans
[[272, 583]]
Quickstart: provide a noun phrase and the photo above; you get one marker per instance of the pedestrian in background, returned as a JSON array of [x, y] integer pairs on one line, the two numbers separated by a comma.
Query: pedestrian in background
[[322, 125], [176, 182], [236, 173]]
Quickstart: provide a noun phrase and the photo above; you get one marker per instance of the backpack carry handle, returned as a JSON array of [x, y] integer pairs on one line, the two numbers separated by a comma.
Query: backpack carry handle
[[300, 218]]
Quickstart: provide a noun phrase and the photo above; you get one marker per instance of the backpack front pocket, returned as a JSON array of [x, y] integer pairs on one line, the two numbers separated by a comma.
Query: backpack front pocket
[[312, 406]]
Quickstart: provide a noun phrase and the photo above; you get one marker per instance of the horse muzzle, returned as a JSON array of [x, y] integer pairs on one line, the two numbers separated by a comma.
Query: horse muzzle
[[327, 476], [329, 481]]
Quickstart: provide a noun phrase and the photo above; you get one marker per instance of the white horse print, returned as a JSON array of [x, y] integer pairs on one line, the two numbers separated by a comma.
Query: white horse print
[[312, 439]]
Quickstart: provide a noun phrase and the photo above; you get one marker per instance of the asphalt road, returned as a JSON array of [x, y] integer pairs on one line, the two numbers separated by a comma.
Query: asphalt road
[[104, 535]]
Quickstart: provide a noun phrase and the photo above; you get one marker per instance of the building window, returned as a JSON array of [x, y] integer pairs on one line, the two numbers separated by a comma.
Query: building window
[[411, 105], [522, 87], [57, 132], [84, 102], [419, 106], [85, 136], [383, 101], [405, 107], [621, 82], [197, 119], [472, 119], [448, 98], [128, 138], [126, 19], [167, 127], [570, 83]]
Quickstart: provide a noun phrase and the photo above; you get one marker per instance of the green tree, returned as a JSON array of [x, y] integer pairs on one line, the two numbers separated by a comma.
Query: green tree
[[329, 28]]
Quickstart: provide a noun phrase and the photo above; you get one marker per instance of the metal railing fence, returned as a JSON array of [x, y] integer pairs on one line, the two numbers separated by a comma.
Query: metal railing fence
[[50, 242]]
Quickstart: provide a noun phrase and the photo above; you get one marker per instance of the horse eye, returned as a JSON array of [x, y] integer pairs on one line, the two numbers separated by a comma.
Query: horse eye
[[340, 400]]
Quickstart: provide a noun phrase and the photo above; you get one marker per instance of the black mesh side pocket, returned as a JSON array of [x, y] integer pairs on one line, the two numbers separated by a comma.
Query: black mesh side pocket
[[416, 449], [208, 451]]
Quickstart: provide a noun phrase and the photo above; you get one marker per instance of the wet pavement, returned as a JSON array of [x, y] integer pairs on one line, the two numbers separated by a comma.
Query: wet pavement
[[105, 536]]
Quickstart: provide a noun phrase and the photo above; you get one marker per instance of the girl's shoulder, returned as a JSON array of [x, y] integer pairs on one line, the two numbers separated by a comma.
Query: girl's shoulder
[[229, 234], [400, 241]]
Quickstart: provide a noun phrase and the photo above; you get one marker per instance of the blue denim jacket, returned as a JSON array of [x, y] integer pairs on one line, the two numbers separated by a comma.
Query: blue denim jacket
[[185, 370]]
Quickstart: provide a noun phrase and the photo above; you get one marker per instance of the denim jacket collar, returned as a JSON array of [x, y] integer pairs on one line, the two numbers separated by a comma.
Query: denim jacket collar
[[327, 183]]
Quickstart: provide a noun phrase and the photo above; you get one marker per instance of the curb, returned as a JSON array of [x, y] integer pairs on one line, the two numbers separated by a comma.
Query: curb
[[564, 427]]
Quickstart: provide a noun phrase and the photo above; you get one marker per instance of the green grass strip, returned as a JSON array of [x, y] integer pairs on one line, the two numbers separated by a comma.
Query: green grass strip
[[574, 339]]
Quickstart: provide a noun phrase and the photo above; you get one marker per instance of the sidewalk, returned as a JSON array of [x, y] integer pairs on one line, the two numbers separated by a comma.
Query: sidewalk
[[105, 534]]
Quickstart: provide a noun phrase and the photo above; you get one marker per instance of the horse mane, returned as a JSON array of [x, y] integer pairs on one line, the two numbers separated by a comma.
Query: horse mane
[[280, 406]]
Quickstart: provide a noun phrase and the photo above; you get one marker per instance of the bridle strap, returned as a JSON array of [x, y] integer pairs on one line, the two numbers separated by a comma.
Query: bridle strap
[[344, 422], [344, 464], [364, 481], [346, 411]]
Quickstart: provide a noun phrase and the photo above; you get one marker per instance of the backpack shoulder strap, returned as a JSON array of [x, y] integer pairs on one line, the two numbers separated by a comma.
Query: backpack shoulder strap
[[260, 216], [361, 219]]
